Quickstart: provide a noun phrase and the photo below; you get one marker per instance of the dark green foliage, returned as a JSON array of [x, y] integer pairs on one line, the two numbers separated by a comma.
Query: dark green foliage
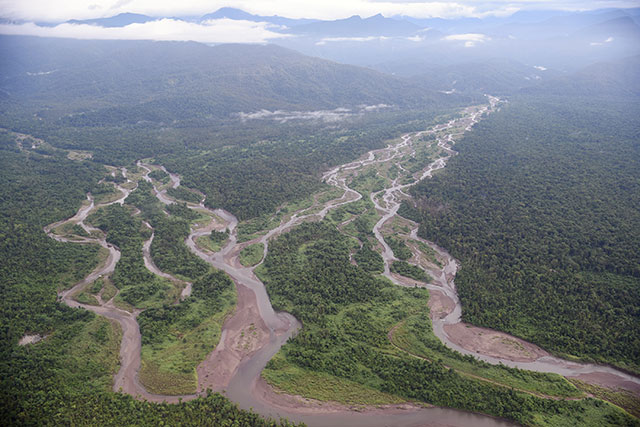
[[159, 175], [399, 248], [155, 322], [45, 383], [128, 234], [541, 208], [102, 189], [168, 249], [181, 193], [347, 338], [274, 164], [309, 273], [409, 270], [34, 192], [111, 409], [181, 210], [369, 259], [219, 236]]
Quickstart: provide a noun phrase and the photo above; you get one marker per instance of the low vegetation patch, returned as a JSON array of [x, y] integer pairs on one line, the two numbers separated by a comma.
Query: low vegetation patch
[[405, 269], [322, 386], [251, 255], [86, 298], [176, 338], [399, 248], [213, 242]]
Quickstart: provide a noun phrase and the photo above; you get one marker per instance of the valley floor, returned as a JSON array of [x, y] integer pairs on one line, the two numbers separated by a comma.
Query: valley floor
[[244, 332]]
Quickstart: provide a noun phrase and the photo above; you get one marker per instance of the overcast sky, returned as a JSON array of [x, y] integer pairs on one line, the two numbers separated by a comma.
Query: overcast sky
[[58, 11], [62, 10]]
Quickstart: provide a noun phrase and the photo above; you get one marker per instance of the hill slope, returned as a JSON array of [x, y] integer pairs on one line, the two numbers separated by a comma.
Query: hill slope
[[174, 80]]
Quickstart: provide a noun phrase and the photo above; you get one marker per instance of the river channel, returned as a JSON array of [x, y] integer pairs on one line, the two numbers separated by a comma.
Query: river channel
[[242, 386]]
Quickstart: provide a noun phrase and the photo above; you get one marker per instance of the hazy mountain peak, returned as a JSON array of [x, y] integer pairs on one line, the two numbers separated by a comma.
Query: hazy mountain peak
[[120, 20]]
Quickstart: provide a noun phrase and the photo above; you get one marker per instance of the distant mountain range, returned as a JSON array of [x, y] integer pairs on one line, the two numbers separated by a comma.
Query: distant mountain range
[[554, 39], [121, 20]]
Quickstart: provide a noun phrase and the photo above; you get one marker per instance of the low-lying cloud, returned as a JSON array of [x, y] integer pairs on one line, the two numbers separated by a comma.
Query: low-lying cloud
[[469, 39], [608, 40], [324, 41], [213, 31], [350, 39], [322, 115]]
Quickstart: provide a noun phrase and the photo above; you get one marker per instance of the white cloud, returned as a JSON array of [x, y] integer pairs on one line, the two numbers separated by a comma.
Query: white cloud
[[350, 39], [214, 31], [62, 10], [608, 40], [326, 40], [540, 67], [470, 39], [416, 39]]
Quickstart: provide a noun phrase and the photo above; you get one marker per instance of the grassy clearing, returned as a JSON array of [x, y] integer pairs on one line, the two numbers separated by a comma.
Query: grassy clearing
[[204, 218], [591, 413], [251, 255], [86, 298], [214, 242], [331, 194], [169, 366], [182, 193], [428, 252], [320, 386], [109, 197], [70, 229], [256, 227], [109, 290], [409, 270], [79, 155], [160, 381], [153, 294], [399, 226], [622, 398], [416, 337], [368, 182], [292, 207], [123, 305]]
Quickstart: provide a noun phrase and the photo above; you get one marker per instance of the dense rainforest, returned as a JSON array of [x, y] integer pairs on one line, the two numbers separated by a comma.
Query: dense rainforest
[[65, 379], [347, 314], [541, 209]]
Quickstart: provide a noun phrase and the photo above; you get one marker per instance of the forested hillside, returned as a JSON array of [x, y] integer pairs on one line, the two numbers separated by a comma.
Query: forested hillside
[[541, 208], [181, 103], [107, 83]]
